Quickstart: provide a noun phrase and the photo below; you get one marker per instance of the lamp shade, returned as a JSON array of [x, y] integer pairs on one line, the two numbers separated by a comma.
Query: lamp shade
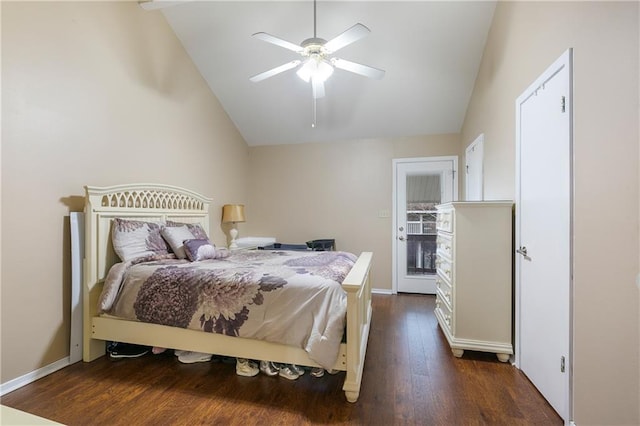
[[233, 213]]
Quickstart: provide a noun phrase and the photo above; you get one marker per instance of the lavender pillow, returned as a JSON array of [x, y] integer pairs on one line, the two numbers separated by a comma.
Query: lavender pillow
[[199, 249], [202, 249], [134, 238]]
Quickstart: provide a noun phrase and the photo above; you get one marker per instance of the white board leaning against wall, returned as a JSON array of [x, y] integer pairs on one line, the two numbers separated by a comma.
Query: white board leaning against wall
[[76, 220]]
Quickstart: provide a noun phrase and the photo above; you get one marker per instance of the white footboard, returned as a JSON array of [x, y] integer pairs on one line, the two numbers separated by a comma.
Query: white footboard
[[358, 287]]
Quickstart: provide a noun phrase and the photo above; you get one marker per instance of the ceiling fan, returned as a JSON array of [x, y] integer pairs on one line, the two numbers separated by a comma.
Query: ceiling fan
[[317, 63]]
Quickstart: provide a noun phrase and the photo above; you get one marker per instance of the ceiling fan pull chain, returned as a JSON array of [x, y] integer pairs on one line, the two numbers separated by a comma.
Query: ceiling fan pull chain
[[313, 123]]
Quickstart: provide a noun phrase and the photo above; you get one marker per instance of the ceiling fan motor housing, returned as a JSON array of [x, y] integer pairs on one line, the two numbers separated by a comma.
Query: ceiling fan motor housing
[[313, 46]]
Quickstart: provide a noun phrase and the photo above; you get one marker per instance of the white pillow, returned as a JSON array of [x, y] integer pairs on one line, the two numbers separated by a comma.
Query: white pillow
[[175, 236], [196, 229], [134, 238]]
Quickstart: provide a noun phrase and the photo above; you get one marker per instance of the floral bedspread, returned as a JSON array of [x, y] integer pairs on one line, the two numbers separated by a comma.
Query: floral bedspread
[[288, 297]]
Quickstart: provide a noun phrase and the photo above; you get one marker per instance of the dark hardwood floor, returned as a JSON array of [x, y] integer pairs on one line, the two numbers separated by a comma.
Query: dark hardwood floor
[[410, 378]]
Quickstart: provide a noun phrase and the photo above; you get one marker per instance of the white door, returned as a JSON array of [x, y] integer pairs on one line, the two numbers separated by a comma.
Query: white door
[[419, 185], [473, 170], [543, 233]]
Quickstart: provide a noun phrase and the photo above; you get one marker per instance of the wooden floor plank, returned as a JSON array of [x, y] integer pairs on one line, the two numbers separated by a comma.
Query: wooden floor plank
[[410, 378]]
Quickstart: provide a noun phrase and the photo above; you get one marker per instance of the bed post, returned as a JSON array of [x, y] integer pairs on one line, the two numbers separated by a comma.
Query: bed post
[[358, 287]]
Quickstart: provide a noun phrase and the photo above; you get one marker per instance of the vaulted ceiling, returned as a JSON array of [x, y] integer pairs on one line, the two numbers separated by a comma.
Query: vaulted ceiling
[[430, 51]]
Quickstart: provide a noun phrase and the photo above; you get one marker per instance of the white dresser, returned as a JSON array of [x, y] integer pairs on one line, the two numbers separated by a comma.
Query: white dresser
[[474, 276]]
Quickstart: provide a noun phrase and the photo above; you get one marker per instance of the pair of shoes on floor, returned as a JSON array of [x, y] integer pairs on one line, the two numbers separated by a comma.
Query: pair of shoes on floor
[[189, 357], [269, 368], [317, 371], [290, 371], [246, 368], [119, 350]]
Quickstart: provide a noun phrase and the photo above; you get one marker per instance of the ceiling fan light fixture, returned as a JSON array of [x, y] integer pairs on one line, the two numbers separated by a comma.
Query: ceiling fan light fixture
[[315, 68]]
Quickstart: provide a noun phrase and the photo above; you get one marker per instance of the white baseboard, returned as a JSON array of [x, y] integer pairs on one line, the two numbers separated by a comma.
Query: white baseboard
[[381, 291], [31, 377]]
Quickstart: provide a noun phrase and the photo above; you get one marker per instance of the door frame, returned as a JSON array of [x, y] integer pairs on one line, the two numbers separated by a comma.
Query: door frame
[[395, 162], [565, 60]]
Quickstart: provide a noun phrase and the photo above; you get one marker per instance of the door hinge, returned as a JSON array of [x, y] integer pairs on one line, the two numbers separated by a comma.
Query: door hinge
[[563, 104], [562, 366]]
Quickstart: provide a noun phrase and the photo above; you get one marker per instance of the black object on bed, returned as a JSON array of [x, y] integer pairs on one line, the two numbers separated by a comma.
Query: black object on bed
[[315, 245], [280, 246], [322, 245]]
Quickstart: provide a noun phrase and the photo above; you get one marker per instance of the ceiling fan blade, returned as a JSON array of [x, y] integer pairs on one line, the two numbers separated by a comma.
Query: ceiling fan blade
[[354, 33], [278, 42], [354, 67], [318, 88], [277, 70]]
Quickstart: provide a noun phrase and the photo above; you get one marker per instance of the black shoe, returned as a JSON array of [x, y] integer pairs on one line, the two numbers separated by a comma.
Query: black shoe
[[126, 350]]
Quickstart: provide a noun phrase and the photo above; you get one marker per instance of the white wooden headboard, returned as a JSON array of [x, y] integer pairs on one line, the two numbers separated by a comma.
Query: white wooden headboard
[[150, 202]]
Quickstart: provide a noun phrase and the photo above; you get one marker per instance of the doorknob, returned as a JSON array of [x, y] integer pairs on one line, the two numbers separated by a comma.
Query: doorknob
[[401, 238], [522, 250]]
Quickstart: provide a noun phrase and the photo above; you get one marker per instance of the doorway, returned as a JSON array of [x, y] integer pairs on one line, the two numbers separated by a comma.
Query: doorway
[[419, 184], [474, 181], [544, 233]]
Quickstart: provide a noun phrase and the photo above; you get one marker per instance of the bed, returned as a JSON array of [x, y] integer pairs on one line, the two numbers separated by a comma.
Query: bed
[[165, 203]]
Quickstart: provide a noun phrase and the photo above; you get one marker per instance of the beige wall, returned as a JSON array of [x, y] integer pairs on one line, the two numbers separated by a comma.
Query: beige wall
[[333, 190], [97, 94], [103, 94], [525, 38]]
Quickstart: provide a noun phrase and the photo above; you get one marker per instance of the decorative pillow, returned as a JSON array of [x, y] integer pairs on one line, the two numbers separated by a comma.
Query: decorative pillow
[[196, 229], [201, 249], [134, 238], [175, 235]]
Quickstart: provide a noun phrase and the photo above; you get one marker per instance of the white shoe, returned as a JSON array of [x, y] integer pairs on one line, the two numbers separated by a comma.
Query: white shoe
[[297, 369], [269, 368], [188, 357], [288, 373], [246, 368], [317, 371]]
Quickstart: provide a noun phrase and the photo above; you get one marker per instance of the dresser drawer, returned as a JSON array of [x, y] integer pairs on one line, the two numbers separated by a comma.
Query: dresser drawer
[[444, 268], [444, 221], [443, 313], [444, 245], [443, 290]]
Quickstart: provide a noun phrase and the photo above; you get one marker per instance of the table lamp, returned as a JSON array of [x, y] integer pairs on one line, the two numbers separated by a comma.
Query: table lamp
[[233, 213]]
